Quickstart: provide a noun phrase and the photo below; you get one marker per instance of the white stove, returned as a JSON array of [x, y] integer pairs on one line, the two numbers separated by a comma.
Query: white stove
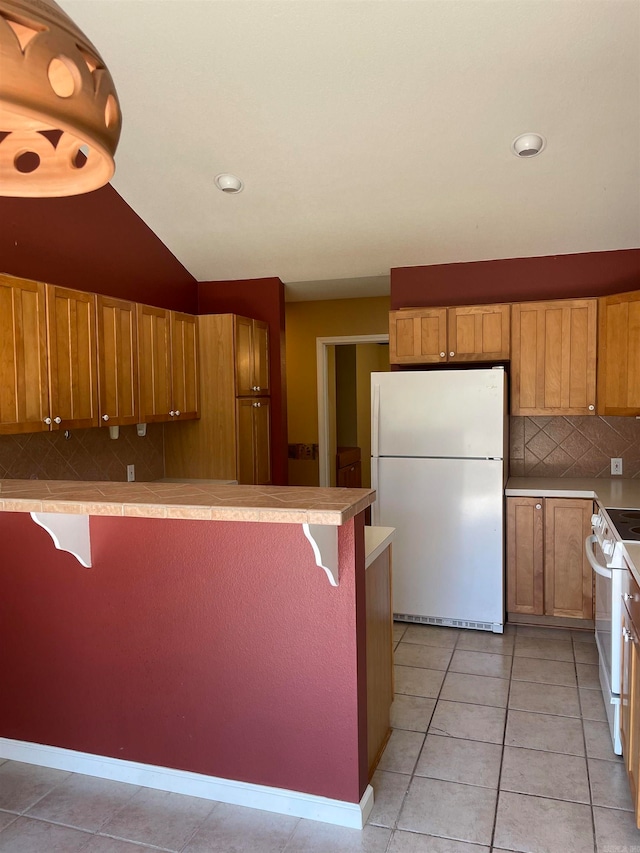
[[605, 554]]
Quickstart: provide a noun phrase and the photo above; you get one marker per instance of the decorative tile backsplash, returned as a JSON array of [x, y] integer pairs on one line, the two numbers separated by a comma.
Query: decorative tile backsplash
[[573, 446], [88, 454]]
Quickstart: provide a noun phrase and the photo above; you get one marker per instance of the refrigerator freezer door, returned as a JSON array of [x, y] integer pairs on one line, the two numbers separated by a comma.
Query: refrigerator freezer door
[[448, 548], [452, 413]]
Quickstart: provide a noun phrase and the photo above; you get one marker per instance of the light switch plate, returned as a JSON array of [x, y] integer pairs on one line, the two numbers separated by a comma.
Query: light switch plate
[[616, 466], [131, 473]]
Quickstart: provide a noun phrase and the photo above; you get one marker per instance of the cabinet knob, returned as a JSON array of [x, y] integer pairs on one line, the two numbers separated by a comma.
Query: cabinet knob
[[538, 506], [172, 414], [177, 413], [452, 354], [105, 417], [591, 408], [57, 420], [47, 420], [442, 354], [256, 405]]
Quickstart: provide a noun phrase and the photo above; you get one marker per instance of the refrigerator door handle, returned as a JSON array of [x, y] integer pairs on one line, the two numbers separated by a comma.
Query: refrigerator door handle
[[375, 512], [375, 418]]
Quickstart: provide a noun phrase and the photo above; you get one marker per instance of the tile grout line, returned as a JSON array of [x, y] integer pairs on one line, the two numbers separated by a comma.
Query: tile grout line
[[504, 738]]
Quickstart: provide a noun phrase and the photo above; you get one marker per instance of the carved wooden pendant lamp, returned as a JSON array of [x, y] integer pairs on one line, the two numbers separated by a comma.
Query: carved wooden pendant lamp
[[60, 118]]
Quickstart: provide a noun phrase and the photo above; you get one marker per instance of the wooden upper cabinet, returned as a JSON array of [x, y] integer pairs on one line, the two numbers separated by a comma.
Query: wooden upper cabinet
[[568, 579], [184, 366], [619, 354], [24, 386], [463, 333], [553, 357], [418, 336], [251, 357], [73, 377], [479, 333], [154, 363], [117, 361], [168, 368]]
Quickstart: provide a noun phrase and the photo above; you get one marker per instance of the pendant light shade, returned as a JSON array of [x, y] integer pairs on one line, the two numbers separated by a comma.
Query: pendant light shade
[[60, 118]]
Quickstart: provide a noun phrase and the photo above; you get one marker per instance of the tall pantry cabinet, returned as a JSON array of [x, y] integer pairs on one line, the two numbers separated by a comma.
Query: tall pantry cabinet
[[232, 439]]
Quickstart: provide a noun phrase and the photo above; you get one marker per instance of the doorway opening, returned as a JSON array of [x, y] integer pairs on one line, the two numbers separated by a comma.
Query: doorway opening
[[344, 366]]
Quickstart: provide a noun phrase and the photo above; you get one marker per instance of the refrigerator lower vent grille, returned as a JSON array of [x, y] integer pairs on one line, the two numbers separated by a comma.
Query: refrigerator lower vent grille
[[449, 623]]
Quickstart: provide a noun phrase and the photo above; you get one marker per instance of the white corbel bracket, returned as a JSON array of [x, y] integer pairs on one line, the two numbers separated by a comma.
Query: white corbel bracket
[[70, 532], [324, 541]]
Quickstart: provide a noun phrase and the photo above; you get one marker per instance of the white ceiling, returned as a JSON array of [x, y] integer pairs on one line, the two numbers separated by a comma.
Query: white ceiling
[[374, 133]]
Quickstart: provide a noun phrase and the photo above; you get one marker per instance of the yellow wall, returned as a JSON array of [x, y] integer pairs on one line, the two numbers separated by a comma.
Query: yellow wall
[[306, 321], [370, 358]]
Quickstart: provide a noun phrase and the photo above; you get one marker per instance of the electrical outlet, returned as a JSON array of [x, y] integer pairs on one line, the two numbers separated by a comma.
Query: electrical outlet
[[616, 466], [131, 473]]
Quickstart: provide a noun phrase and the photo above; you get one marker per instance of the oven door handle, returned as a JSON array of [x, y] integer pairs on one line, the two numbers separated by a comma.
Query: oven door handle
[[603, 571]]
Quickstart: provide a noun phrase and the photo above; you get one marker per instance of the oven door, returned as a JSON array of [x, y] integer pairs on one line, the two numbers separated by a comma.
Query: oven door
[[608, 615], [608, 634]]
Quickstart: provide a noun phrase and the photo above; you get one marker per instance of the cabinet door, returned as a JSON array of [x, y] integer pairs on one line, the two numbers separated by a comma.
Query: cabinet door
[[619, 354], [553, 357], [185, 382], [418, 336], [479, 333], [525, 556], [73, 384], [261, 357], [117, 361], [24, 384], [154, 364], [568, 579], [630, 708], [262, 441], [253, 441], [244, 356], [379, 630]]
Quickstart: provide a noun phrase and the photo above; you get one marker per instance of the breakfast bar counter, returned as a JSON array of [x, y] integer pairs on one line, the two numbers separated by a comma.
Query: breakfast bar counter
[[272, 504], [204, 644]]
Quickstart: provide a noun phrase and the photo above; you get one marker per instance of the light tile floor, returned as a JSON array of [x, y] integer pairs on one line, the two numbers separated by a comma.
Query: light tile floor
[[499, 743]]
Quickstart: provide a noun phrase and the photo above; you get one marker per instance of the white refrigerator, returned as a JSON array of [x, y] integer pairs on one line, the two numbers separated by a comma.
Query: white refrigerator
[[439, 448]]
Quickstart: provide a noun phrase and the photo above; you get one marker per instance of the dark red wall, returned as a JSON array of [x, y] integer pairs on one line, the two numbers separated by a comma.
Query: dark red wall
[[93, 242], [260, 299], [214, 647], [516, 279]]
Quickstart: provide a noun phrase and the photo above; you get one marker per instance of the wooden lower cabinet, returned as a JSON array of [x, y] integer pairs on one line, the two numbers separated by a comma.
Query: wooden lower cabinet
[[630, 703], [525, 555], [379, 623], [253, 440], [548, 574]]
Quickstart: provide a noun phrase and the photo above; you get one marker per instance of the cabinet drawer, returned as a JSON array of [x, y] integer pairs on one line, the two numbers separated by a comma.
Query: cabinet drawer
[[631, 588]]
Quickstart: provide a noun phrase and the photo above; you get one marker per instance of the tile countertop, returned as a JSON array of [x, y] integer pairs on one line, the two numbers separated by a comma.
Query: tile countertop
[[616, 492], [272, 504]]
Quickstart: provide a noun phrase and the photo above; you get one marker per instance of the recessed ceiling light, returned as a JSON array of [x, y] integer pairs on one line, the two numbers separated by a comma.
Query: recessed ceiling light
[[528, 144], [228, 183]]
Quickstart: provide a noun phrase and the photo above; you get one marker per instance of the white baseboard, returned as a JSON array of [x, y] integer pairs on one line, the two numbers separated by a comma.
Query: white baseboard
[[278, 800]]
